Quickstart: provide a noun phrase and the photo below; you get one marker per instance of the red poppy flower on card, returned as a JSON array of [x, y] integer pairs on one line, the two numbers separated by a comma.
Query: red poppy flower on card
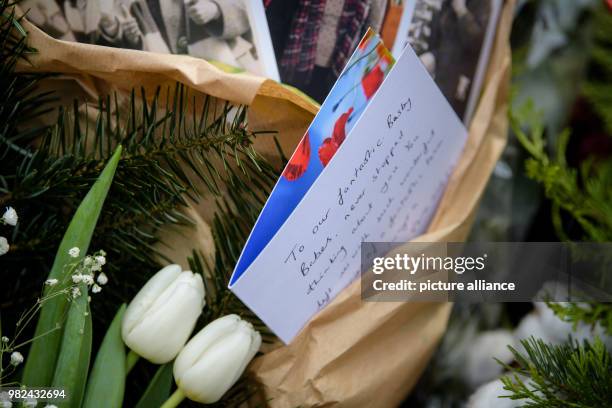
[[340, 127], [371, 81], [331, 144], [299, 161], [327, 150]]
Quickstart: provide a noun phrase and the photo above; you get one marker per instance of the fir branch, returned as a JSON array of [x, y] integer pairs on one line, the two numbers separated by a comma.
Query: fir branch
[[176, 148], [592, 314], [585, 194], [19, 100], [170, 157], [568, 375]]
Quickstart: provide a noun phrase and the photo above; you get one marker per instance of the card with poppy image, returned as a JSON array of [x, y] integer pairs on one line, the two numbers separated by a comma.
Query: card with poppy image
[[347, 100]]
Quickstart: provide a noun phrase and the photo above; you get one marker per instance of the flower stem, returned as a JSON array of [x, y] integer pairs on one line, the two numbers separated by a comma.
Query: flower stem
[[174, 399], [131, 360]]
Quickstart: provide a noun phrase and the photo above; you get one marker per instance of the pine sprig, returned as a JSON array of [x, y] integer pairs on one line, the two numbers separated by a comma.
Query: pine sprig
[[593, 314], [232, 223], [585, 194], [568, 375], [177, 149]]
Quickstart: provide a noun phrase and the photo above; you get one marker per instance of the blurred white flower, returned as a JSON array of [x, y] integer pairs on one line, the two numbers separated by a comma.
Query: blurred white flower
[[16, 358], [480, 365], [10, 216], [74, 252], [77, 278], [5, 339], [101, 260], [102, 279], [5, 400], [544, 324], [488, 395], [30, 403], [215, 358], [160, 318], [96, 289], [4, 246], [51, 282]]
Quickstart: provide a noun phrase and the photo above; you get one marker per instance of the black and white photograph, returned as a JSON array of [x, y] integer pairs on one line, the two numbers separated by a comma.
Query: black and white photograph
[[453, 39], [232, 32]]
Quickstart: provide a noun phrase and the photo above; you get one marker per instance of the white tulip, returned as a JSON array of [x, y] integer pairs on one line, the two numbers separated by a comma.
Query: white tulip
[[160, 318], [215, 358]]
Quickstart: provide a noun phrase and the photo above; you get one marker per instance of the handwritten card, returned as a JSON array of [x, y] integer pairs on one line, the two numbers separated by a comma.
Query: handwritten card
[[382, 182]]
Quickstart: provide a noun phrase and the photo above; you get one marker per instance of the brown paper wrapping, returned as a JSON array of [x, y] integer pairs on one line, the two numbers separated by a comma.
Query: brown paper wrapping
[[353, 353]]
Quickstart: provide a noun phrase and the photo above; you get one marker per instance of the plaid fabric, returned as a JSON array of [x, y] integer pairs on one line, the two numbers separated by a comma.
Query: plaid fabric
[[298, 59], [351, 27]]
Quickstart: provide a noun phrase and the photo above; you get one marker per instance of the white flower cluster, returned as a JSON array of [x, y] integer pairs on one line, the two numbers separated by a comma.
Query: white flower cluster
[[85, 272], [9, 218]]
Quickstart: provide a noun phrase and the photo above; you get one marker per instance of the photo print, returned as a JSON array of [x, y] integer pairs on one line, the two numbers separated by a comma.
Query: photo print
[[232, 32], [453, 38]]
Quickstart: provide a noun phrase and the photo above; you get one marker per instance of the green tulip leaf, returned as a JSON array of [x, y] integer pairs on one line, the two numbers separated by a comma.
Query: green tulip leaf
[[106, 384], [41, 360], [158, 390], [75, 351]]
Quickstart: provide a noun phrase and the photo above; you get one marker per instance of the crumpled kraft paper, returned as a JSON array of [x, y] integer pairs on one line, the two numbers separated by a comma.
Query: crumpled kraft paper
[[367, 354], [353, 353]]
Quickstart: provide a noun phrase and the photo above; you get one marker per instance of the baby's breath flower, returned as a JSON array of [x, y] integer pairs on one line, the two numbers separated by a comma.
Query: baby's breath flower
[[76, 292], [77, 278], [30, 403], [4, 246], [10, 216], [96, 289], [102, 252], [5, 401], [88, 260], [102, 279], [101, 260], [16, 358], [51, 282], [88, 279], [96, 267], [50, 406], [74, 252], [5, 339]]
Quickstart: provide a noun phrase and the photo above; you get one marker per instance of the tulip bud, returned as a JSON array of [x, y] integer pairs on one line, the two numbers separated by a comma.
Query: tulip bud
[[160, 318], [215, 358]]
